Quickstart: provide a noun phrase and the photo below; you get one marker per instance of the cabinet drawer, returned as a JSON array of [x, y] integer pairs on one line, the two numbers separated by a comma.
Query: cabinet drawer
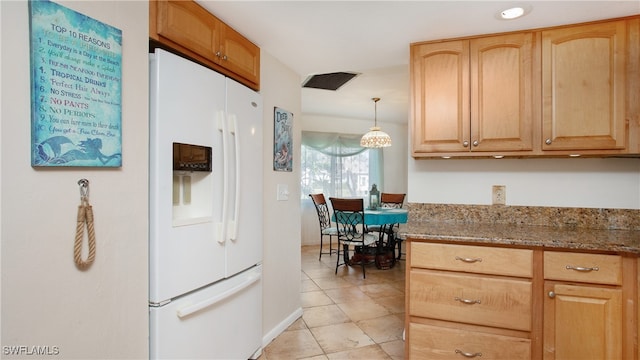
[[473, 259], [471, 299], [589, 268], [433, 342]]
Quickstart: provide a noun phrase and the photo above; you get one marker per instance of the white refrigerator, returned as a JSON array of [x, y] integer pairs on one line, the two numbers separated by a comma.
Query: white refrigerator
[[205, 210]]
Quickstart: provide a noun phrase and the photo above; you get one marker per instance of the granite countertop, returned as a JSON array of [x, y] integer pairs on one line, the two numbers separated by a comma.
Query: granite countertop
[[536, 236]]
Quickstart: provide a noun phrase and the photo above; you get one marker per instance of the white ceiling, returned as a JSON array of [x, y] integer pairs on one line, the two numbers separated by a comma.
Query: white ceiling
[[372, 38]]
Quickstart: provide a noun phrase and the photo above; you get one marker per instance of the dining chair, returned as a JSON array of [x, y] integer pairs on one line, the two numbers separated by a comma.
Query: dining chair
[[390, 201], [349, 219], [324, 218]]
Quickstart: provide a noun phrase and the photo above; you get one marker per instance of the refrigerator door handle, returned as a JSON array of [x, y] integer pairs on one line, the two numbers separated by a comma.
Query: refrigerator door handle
[[225, 166], [188, 310], [234, 225]]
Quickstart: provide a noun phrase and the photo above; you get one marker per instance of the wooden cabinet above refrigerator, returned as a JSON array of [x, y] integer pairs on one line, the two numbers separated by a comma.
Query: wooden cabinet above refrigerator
[[188, 29]]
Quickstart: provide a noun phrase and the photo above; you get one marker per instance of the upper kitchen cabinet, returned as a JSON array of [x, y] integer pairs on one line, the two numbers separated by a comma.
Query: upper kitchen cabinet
[[472, 96], [187, 28], [561, 91], [583, 87]]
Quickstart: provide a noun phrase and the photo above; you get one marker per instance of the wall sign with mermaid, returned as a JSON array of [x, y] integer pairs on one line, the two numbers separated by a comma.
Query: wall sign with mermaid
[[76, 88], [282, 140]]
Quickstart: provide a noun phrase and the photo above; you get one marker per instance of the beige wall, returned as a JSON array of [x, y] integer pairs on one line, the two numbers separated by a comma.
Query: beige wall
[[280, 87], [589, 183], [46, 301]]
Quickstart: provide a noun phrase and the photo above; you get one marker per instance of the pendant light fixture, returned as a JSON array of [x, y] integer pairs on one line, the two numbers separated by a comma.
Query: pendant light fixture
[[375, 138]]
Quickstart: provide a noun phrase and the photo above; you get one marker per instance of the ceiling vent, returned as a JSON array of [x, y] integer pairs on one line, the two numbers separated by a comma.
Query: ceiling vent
[[331, 81]]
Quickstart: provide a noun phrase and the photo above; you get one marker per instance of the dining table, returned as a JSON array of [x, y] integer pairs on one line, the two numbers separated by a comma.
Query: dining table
[[385, 216], [385, 251]]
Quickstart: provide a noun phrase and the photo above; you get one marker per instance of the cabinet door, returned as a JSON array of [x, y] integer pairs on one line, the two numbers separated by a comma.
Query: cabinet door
[[583, 87], [582, 322], [239, 55], [473, 95], [501, 93], [440, 81], [188, 24]]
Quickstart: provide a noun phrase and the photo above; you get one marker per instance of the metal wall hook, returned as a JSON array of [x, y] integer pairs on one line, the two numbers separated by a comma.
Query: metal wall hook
[[84, 188]]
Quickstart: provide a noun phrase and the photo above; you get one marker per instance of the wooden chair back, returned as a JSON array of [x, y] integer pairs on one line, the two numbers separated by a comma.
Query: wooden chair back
[[322, 209], [389, 200], [349, 218]]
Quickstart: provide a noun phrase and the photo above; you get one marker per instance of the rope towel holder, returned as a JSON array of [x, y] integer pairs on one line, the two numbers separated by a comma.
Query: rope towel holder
[[85, 219]]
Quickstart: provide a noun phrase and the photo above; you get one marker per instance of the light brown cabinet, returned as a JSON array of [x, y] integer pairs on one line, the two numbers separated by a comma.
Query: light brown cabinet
[[463, 301], [562, 91], [438, 342], [583, 87], [472, 95], [582, 302], [189, 29], [575, 315], [518, 303]]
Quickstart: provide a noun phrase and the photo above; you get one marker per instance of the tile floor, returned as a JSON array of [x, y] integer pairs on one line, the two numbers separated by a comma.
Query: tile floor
[[344, 315]]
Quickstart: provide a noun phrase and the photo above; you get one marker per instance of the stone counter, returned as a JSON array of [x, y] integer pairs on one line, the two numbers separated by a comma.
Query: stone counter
[[549, 238], [579, 229]]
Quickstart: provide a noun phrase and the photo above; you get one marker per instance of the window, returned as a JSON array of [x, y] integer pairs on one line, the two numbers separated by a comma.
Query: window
[[336, 165]]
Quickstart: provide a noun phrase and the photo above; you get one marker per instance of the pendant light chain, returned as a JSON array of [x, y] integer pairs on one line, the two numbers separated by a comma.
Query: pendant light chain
[[375, 111]]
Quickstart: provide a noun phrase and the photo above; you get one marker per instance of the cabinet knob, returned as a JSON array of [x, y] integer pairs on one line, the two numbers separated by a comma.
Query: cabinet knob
[[220, 56], [475, 143], [552, 294], [548, 142], [465, 143]]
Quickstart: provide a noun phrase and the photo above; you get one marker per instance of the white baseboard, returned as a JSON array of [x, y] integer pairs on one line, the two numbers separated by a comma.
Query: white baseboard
[[281, 327]]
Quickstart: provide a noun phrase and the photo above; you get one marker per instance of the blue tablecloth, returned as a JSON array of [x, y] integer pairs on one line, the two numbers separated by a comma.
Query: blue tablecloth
[[382, 216]]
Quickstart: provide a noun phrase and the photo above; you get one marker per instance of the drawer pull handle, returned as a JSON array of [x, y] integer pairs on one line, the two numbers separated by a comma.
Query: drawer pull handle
[[582, 269], [467, 301], [552, 294], [467, 354], [469, 260]]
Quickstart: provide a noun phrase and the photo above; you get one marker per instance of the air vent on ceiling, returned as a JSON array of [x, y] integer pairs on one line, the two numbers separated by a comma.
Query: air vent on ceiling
[[331, 81]]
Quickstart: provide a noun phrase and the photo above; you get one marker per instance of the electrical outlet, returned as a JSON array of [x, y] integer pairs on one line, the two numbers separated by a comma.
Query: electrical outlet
[[499, 194]]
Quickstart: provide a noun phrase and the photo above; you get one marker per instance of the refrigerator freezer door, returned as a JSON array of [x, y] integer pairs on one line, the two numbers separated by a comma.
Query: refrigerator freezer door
[[188, 252], [222, 321], [244, 230]]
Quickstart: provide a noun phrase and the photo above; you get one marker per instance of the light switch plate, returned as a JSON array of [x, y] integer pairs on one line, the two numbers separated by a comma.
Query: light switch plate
[[282, 192]]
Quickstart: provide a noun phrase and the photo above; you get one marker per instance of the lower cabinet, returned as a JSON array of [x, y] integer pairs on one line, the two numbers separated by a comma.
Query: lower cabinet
[[436, 342], [468, 302], [491, 302], [583, 311], [582, 322], [471, 299]]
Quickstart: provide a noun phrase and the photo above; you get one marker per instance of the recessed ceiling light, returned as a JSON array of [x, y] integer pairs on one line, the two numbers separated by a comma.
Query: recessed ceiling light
[[512, 13]]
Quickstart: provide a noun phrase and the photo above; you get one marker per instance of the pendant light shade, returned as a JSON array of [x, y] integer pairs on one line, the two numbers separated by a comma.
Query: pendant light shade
[[375, 138]]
